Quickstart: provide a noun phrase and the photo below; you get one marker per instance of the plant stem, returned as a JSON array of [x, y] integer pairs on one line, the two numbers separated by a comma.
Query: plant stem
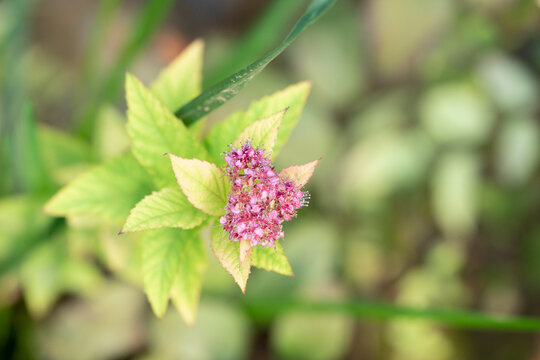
[[265, 309]]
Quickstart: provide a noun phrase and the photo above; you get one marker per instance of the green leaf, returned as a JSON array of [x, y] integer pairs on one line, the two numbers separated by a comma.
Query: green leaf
[[228, 254], [108, 191], [271, 259], [186, 289], [262, 133], [49, 270], [80, 277], [163, 258], [122, 254], [110, 136], [40, 278], [224, 133], [204, 184], [198, 129], [61, 151], [300, 174], [161, 254], [222, 92], [305, 335], [23, 225], [181, 81], [155, 131], [456, 184], [60, 148], [168, 207]]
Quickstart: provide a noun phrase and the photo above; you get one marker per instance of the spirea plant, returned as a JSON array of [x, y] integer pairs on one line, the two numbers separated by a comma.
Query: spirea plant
[[259, 200], [174, 182]]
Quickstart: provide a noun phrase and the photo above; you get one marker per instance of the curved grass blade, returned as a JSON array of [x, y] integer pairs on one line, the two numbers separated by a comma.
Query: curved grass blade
[[150, 16], [267, 30], [225, 90], [265, 309]]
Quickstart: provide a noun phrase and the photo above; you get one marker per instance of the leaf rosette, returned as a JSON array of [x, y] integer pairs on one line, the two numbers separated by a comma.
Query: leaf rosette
[[169, 200]]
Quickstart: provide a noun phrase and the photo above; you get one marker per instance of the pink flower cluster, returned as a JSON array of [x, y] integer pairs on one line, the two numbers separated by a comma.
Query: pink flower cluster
[[259, 200]]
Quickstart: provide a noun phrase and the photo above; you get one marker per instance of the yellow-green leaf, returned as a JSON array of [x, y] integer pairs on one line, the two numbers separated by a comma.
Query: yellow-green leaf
[[41, 278], [168, 207], [228, 254], [271, 259], [224, 133], [181, 80], [186, 288], [108, 191], [154, 131], [163, 256], [48, 271], [262, 133], [205, 185], [60, 149], [110, 136]]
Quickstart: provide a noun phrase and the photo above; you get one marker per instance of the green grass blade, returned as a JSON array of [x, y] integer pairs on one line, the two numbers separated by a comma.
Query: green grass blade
[[266, 31], [222, 92], [149, 18], [28, 167], [106, 11], [13, 94], [265, 309]]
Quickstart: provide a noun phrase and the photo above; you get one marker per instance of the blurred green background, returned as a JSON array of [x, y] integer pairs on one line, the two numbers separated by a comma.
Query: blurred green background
[[426, 116]]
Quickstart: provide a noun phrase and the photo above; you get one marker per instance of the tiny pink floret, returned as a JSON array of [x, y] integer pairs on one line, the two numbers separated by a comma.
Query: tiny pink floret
[[259, 200]]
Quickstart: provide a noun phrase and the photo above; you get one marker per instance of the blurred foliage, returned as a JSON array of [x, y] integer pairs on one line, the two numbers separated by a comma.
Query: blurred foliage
[[426, 116]]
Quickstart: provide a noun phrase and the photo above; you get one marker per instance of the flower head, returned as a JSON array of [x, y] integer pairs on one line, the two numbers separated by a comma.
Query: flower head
[[260, 200]]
